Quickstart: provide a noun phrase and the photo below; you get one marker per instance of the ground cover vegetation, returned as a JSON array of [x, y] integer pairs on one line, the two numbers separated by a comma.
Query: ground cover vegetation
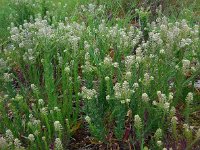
[[84, 74]]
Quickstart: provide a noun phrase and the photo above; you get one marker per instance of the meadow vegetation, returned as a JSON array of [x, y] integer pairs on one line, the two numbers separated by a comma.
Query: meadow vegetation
[[119, 74]]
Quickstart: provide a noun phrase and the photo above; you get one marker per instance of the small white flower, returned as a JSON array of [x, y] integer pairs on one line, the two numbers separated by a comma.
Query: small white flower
[[137, 122], [145, 97], [158, 134], [166, 106], [88, 119], [57, 109], [31, 137], [123, 101], [154, 103], [177, 67], [9, 135], [17, 143], [128, 100], [57, 126], [189, 97], [128, 75], [67, 69], [58, 144], [171, 96], [151, 78], [88, 93], [159, 143], [186, 127], [107, 78], [34, 88], [7, 77], [172, 111], [115, 64], [107, 97], [44, 111], [129, 61], [18, 97], [162, 51], [41, 102], [107, 61], [186, 65], [43, 138], [174, 120], [135, 85]]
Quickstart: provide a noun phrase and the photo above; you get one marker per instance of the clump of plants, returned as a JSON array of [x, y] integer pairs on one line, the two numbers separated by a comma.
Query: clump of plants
[[130, 84]]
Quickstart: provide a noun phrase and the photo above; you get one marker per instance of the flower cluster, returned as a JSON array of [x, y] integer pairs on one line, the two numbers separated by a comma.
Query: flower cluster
[[88, 93], [122, 92], [58, 127], [137, 122], [58, 144]]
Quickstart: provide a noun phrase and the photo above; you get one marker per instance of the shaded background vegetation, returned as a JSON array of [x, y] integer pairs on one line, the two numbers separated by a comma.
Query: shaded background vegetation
[[174, 9]]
